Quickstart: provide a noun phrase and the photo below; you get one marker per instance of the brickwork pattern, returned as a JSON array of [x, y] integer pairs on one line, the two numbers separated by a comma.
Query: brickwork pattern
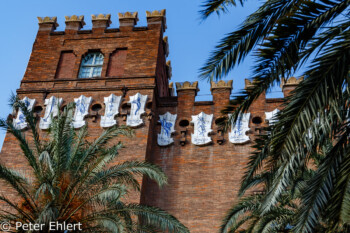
[[203, 180]]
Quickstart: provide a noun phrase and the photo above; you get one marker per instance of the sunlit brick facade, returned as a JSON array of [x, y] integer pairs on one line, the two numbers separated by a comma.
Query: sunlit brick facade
[[203, 180]]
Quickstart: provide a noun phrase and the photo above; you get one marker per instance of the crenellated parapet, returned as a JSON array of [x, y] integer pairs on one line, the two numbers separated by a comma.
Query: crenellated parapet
[[221, 85], [171, 89], [186, 93], [128, 19], [74, 23], [221, 92], [183, 86], [156, 13], [75, 18], [292, 81], [48, 20], [100, 22], [156, 17], [101, 17], [166, 46], [47, 23], [290, 84], [129, 15], [248, 84], [169, 69]]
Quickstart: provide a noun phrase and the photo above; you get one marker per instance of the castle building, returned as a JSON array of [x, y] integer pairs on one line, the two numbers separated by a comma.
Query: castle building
[[121, 76]]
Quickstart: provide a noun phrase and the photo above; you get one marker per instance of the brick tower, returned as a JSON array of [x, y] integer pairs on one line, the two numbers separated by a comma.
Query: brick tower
[[121, 76]]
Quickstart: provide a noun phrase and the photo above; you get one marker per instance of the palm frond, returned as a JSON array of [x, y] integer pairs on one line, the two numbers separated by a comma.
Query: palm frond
[[217, 6]]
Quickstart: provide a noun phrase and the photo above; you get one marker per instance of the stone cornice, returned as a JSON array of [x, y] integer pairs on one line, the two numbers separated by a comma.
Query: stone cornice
[[48, 20], [169, 69], [221, 85], [75, 18], [156, 17], [248, 83], [187, 86], [129, 15], [293, 81], [88, 89], [156, 13]]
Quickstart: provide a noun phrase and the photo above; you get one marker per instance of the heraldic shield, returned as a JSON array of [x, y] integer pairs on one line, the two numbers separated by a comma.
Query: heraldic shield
[[20, 121], [82, 105], [52, 107], [138, 103], [202, 128], [112, 104], [238, 130], [167, 122]]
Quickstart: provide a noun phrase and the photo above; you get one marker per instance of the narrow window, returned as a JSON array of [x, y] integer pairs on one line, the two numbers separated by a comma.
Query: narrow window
[[91, 65]]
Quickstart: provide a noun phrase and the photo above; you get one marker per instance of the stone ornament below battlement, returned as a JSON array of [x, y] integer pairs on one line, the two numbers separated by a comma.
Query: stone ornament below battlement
[[202, 122]]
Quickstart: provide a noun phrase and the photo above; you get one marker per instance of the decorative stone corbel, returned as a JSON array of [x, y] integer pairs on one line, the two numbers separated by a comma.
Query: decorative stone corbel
[[166, 46], [183, 136], [220, 138], [169, 70]]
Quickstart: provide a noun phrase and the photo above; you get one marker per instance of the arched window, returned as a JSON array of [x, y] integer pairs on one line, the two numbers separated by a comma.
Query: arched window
[[91, 65]]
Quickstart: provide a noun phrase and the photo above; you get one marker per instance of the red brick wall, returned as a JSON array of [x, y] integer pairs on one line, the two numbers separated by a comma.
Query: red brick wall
[[117, 63], [51, 71], [203, 180], [66, 65]]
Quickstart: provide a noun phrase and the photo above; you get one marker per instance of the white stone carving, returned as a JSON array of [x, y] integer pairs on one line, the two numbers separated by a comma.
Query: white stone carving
[[138, 103], [167, 121], [112, 104], [238, 130], [202, 128], [20, 121], [271, 116], [52, 105], [82, 105]]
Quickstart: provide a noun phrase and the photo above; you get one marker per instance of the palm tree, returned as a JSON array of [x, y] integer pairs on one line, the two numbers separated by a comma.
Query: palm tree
[[73, 181], [282, 216], [285, 36]]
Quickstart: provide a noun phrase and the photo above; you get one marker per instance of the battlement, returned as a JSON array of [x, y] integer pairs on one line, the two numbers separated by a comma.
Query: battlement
[[127, 52], [129, 86], [290, 84], [101, 22], [187, 86], [287, 85], [221, 85], [47, 23], [75, 18]]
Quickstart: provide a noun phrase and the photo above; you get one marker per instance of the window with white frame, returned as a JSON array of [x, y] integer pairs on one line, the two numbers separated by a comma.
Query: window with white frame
[[91, 65]]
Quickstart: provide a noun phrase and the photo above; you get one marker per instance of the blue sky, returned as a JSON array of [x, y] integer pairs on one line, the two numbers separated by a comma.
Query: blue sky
[[190, 39]]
